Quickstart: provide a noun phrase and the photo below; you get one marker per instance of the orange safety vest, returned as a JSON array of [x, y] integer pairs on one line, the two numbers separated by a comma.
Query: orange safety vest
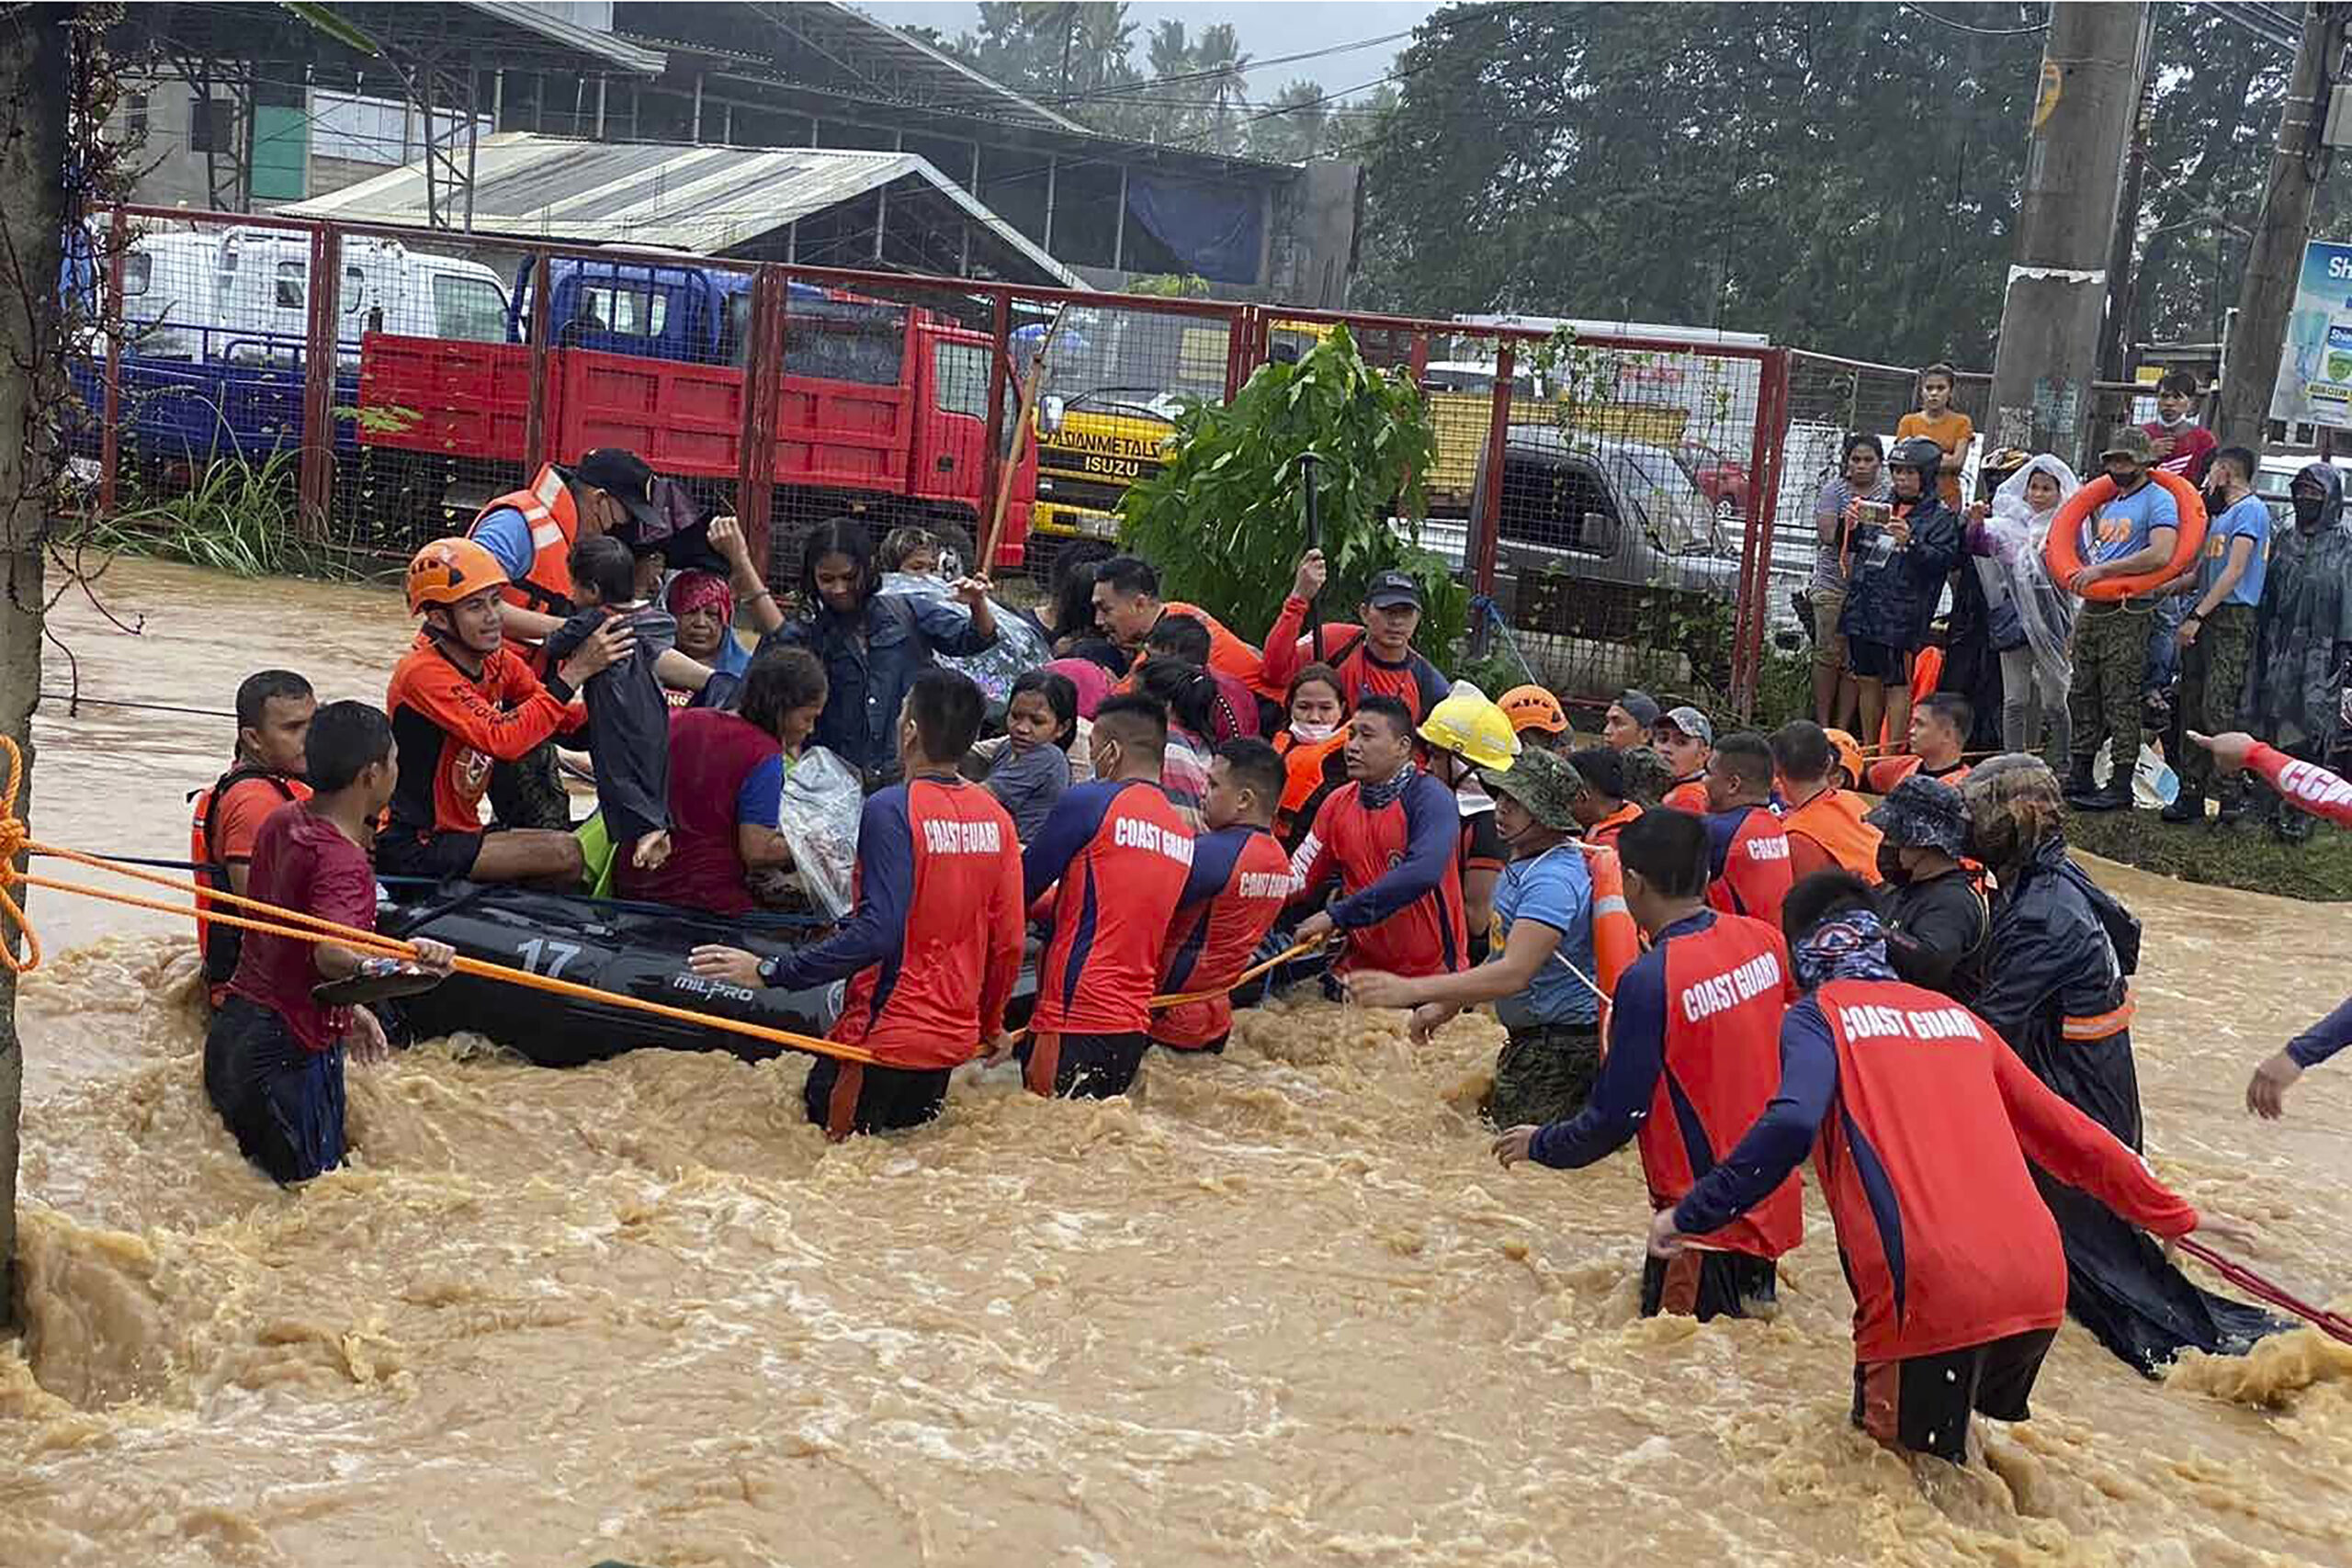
[[1834, 821], [1302, 765], [554, 522], [219, 946], [1229, 653]]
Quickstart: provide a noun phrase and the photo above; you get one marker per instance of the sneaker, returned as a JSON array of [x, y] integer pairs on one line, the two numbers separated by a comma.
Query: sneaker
[[2294, 827], [2189, 805]]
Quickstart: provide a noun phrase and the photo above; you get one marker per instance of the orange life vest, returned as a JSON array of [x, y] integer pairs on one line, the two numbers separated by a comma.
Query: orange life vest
[[221, 945], [1616, 940], [554, 521], [1833, 819]]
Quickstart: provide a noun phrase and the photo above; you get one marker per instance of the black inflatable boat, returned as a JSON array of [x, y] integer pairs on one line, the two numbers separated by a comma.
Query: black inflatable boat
[[630, 950]]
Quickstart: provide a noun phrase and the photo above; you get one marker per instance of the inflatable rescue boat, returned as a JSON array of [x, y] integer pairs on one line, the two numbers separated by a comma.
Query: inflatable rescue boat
[[629, 950]]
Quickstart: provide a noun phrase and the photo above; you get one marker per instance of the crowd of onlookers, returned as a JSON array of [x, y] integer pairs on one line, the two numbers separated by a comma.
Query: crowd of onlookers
[[1912, 591]]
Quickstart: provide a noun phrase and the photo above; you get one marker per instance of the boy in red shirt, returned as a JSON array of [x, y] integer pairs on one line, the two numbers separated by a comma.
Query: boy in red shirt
[[273, 1058], [1695, 1055], [462, 701], [1117, 854], [1392, 837], [1924, 1119], [2183, 445], [273, 710], [1240, 882], [934, 946]]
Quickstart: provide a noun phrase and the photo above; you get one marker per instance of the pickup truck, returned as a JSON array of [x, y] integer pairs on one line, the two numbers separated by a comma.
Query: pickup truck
[[214, 324], [882, 413], [1605, 541]]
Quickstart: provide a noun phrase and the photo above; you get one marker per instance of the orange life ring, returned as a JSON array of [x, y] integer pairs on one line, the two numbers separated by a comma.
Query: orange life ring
[[1616, 940], [2063, 551]]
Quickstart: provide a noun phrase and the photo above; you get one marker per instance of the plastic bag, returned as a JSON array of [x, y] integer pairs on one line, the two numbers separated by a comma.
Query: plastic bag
[[818, 815], [1019, 647]]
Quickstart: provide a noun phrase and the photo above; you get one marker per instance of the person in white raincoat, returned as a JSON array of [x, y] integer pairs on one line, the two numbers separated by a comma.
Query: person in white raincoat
[[2034, 617]]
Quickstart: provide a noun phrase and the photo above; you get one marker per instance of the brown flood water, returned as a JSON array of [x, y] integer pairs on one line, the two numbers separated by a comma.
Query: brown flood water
[[1283, 1310]]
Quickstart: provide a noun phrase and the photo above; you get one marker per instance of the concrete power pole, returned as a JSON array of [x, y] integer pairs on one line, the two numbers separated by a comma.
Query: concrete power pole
[[2074, 171], [2267, 296]]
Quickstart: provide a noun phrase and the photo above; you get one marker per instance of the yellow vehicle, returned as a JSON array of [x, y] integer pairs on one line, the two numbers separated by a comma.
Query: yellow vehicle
[[1119, 377]]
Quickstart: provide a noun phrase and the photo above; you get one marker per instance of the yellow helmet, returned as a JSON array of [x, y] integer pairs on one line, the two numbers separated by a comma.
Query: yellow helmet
[[1467, 723]]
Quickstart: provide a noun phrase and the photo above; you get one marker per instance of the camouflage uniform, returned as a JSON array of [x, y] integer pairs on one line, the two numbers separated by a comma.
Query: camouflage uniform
[[1544, 1071], [529, 792], [1545, 1075], [2212, 681], [2110, 668]]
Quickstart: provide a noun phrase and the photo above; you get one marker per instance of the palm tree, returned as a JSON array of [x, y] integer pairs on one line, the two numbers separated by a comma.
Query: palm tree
[[1219, 53]]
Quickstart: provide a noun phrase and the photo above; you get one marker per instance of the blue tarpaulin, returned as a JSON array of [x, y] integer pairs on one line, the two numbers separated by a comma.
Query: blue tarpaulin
[[1216, 231]]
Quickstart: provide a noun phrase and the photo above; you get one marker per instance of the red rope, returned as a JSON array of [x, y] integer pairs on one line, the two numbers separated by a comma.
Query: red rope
[[2254, 1284]]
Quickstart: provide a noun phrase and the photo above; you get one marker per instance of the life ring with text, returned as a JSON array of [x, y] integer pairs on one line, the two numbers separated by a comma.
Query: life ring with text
[[2063, 551]]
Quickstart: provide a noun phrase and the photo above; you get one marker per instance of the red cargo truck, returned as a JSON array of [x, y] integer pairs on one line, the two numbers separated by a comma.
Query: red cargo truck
[[881, 412]]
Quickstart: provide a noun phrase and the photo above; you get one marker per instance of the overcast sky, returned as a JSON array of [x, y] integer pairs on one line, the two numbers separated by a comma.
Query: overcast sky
[[1281, 27]]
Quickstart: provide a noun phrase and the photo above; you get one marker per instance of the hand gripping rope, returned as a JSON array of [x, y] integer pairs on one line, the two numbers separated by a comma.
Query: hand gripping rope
[[15, 841]]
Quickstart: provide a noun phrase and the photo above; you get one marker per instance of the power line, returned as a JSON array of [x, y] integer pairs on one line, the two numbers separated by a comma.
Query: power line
[[2041, 27]]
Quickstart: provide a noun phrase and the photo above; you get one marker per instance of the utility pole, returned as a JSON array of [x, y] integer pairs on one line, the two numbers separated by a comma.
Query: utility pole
[[2074, 171], [2266, 294], [2123, 276]]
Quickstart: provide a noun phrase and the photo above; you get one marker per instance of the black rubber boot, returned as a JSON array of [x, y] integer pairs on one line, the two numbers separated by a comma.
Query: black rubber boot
[[2189, 805], [2079, 787], [2114, 797], [2233, 806], [2294, 827]]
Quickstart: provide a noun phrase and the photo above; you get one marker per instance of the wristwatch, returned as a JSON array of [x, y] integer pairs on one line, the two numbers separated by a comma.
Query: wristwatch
[[768, 970]]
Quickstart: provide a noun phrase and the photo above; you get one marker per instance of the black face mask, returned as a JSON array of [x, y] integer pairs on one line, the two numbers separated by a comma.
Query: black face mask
[[1890, 864], [2307, 509]]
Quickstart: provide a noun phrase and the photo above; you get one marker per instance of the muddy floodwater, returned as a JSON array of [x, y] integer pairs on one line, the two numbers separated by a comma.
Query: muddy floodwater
[[1283, 1309]]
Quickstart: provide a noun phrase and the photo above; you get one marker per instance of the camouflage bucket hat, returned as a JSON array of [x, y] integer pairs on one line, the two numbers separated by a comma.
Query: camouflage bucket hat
[[1544, 782], [1923, 814]]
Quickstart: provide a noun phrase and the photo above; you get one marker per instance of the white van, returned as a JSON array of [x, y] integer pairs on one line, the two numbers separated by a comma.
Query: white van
[[243, 295]]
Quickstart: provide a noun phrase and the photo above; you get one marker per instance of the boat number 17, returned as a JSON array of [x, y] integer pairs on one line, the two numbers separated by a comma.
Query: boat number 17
[[540, 956]]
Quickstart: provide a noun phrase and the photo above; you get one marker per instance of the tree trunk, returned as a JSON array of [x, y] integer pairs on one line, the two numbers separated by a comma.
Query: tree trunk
[[33, 88]]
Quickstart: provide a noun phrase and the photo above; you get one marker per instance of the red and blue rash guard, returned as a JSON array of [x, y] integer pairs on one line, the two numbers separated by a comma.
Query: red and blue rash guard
[[1121, 853], [1926, 1119], [2323, 794], [1695, 1053], [1240, 880], [1400, 877], [1748, 869], [934, 946]]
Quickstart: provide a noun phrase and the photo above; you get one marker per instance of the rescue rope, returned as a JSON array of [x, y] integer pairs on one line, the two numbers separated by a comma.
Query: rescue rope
[[2333, 1323], [16, 841], [296, 925]]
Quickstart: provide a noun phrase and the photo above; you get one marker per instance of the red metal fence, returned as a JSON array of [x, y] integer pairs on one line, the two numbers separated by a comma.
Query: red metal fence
[[1611, 497]]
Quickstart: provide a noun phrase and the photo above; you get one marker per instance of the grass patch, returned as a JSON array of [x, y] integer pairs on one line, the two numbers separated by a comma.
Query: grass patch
[[2246, 855], [238, 517]]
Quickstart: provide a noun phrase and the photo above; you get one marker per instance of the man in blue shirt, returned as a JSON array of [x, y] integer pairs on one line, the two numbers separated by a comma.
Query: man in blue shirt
[[2134, 533], [2216, 637], [1541, 984]]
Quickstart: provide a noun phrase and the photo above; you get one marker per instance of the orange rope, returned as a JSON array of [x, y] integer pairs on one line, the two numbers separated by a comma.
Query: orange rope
[[1160, 1003], [297, 926]]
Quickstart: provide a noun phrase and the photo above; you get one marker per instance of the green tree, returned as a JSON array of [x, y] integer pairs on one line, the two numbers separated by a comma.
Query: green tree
[[1224, 519], [1840, 177], [1294, 126], [1224, 82]]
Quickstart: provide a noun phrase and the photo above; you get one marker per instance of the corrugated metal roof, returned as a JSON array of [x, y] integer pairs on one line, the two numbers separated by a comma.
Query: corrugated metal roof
[[703, 199], [598, 42]]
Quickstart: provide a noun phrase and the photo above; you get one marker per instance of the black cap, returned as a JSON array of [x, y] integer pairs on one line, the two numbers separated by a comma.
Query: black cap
[[628, 479], [1391, 589]]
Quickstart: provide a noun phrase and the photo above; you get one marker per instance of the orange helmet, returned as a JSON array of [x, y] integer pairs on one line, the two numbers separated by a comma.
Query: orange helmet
[[1532, 707], [1845, 752], [449, 570]]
